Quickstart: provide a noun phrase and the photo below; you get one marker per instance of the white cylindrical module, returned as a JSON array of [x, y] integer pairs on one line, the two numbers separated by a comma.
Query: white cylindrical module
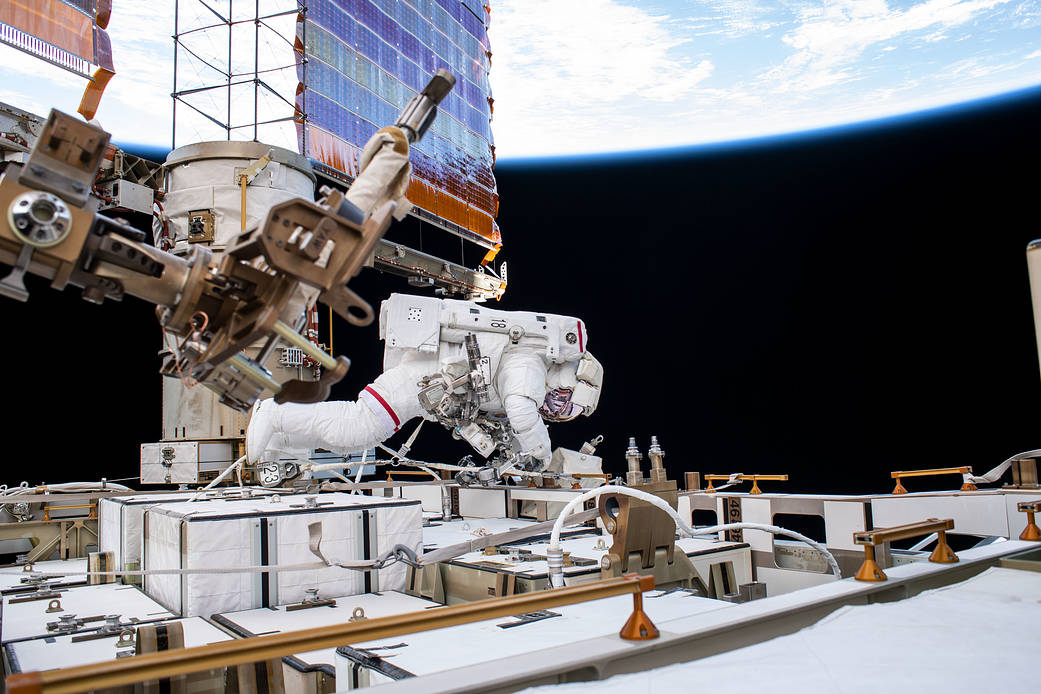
[[203, 204], [1034, 268], [204, 194]]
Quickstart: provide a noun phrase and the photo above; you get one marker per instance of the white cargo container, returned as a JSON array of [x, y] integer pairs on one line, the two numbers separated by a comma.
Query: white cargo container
[[121, 519], [268, 532]]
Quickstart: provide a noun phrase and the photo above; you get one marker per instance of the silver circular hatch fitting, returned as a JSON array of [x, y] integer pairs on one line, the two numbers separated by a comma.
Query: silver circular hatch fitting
[[39, 219]]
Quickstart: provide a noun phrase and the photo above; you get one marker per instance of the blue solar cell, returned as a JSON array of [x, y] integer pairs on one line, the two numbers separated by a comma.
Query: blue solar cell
[[373, 55]]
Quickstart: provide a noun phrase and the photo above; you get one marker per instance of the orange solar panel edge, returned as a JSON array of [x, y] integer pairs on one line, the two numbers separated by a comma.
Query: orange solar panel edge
[[52, 21], [343, 156]]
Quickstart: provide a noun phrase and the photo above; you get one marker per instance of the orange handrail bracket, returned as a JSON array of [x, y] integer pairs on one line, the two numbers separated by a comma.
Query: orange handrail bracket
[[25, 683], [639, 626], [754, 479], [870, 570], [961, 470], [152, 666], [1031, 533], [92, 511], [577, 476]]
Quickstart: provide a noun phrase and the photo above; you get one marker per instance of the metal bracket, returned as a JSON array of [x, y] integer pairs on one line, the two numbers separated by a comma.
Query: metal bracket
[[13, 286], [528, 618]]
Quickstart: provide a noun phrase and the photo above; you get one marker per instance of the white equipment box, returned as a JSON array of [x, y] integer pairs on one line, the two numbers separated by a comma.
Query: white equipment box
[[268, 532], [184, 462], [121, 520]]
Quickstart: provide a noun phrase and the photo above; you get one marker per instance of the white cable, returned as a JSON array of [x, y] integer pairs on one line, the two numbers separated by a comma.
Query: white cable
[[833, 564], [996, 473], [220, 478], [322, 467], [337, 473], [556, 573], [361, 469], [70, 487], [351, 564], [84, 487]]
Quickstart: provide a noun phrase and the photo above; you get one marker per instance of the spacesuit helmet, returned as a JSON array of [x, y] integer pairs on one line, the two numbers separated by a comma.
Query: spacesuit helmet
[[557, 405]]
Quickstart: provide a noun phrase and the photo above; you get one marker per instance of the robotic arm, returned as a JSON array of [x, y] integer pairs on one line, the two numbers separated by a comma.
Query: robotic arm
[[215, 310]]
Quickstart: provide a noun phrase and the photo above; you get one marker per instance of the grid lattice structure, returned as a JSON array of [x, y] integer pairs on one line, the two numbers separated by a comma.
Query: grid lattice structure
[[321, 76]]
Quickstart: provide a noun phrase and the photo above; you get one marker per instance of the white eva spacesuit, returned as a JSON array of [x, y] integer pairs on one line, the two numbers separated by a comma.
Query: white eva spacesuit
[[490, 376]]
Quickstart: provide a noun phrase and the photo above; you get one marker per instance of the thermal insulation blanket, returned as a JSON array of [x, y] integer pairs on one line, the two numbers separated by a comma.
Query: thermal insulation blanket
[[121, 524], [976, 636], [121, 520], [273, 532]]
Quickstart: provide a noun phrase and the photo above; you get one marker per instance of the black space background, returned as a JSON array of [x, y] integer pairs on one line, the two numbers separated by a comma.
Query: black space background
[[832, 307]]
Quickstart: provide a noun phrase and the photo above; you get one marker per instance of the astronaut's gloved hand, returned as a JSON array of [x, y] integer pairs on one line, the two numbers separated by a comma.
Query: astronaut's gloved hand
[[384, 173]]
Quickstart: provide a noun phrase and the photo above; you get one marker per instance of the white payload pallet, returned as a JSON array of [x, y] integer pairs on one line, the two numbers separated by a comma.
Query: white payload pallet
[[268, 532], [305, 673], [29, 618], [43, 575], [69, 650], [367, 664]]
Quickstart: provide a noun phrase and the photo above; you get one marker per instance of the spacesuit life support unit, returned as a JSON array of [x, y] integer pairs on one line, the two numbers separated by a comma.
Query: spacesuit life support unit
[[490, 376]]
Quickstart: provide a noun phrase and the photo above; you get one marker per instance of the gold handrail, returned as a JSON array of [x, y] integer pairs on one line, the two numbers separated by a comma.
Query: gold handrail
[[961, 470], [755, 481], [578, 476], [152, 666], [70, 507], [870, 570]]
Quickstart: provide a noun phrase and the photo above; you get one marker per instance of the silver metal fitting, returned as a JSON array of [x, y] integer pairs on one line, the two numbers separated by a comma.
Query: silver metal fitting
[[656, 454], [633, 458], [39, 219], [555, 564]]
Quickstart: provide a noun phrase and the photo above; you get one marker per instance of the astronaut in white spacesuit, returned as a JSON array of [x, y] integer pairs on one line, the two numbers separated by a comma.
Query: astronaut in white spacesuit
[[493, 377]]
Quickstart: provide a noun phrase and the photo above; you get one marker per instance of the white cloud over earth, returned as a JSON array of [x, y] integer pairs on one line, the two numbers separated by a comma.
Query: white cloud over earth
[[728, 69], [581, 76]]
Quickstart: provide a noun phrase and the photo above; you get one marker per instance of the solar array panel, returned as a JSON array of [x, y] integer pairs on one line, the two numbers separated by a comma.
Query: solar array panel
[[366, 59], [68, 33]]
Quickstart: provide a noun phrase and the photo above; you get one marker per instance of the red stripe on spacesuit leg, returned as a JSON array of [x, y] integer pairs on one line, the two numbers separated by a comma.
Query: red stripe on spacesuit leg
[[580, 336], [388, 408]]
